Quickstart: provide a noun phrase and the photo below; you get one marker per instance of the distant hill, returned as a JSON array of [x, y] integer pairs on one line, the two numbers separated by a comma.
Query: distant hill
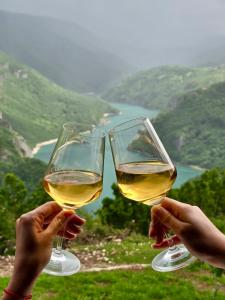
[[35, 107], [159, 87], [62, 51], [193, 132], [13, 158]]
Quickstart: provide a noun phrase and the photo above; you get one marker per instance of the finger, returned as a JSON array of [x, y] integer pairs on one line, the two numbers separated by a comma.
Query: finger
[[71, 219], [157, 231], [48, 209], [67, 235], [176, 208], [73, 228], [166, 218], [57, 223], [174, 240], [156, 226], [76, 220]]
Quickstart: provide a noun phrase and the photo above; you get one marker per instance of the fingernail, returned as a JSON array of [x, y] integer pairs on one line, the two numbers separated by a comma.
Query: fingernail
[[68, 213]]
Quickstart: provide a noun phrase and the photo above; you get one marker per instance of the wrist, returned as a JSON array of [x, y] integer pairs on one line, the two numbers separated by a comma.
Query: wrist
[[10, 295], [22, 280], [19, 288]]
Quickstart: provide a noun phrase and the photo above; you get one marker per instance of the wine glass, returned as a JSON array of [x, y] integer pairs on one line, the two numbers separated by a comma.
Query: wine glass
[[145, 174], [74, 178]]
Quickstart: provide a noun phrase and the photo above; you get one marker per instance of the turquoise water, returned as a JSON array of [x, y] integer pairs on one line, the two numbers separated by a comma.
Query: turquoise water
[[127, 112]]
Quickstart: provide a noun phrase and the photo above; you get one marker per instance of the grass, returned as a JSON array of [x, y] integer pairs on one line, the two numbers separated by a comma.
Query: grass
[[145, 284], [134, 249], [195, 282]]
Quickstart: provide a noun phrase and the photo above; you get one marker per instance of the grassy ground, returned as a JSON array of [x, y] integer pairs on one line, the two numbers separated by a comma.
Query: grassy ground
[[129, 285], [194, 282]]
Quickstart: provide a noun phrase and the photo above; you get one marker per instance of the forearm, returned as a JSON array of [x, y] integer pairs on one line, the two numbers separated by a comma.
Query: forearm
[[215, 254]]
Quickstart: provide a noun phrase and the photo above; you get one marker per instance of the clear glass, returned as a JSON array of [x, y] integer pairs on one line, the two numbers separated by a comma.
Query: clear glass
[[145, 173], [74, 178]]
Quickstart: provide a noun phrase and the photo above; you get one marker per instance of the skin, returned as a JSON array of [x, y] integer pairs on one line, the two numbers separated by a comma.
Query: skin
[[191, 227], [35, 232]]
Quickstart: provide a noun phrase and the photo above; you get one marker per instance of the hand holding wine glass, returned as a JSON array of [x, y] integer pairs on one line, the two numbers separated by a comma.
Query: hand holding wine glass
[[74, 178], [191, 226], [145, 174], [35, 231]]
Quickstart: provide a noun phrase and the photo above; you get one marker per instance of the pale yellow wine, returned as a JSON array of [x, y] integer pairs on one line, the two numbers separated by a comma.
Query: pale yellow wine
[[145, 182], [73, 189]]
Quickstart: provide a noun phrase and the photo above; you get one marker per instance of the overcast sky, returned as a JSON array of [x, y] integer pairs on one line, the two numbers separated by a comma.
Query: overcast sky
[[145, 32]]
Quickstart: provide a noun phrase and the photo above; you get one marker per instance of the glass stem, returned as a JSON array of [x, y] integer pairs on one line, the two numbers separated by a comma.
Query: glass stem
[[172, 246], [59, 240], [59, 244]]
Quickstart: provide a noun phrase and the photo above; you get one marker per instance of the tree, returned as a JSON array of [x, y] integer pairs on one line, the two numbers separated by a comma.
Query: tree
[[121, 212], [12, 198]]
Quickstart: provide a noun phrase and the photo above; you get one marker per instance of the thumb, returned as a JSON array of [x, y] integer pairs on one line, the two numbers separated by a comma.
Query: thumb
[[166, 218], [58, 222]]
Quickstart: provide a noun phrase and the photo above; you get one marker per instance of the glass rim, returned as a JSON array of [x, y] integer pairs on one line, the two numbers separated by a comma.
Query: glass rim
[[123, 126], [87, 132]]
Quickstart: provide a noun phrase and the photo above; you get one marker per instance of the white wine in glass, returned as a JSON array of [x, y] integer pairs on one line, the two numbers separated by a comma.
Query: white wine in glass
[[74, 178], [145, 174], [145, 181]]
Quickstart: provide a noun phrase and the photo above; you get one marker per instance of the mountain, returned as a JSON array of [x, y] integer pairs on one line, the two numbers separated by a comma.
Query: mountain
[[159, 87], [62, 51], [193, 132], [36, 107]]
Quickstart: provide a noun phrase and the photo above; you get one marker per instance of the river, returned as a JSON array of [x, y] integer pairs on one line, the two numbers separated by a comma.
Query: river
[[127, 112]]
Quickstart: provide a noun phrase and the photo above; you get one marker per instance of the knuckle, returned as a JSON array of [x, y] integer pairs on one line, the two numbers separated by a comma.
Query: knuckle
[[196, 208], [24, 218], [17, 221]]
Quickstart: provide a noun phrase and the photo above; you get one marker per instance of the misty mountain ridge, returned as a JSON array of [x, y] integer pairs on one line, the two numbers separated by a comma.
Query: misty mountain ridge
[[64, 52], [145, 33]]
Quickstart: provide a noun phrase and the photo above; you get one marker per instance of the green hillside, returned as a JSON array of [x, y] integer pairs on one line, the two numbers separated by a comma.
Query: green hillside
[[12, 158], [193, 133], [64, 52], [8, 151], [157, 87], [36, 107]]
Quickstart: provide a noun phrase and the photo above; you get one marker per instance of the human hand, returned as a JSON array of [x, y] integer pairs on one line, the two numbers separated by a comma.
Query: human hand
[[191, 227], [35, 232]]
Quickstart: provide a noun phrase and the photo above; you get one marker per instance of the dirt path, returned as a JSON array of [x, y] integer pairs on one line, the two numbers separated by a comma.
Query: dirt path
[[6, 265], [7, 262]]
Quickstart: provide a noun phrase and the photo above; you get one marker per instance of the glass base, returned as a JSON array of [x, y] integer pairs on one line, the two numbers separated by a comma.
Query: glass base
[[62, 263], [171, 259]]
